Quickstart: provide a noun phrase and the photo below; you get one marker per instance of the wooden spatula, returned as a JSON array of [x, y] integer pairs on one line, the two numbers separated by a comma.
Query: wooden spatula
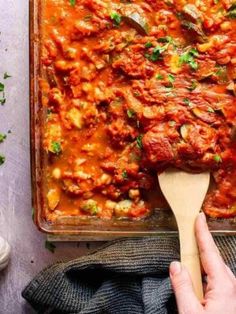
[[185, 193]]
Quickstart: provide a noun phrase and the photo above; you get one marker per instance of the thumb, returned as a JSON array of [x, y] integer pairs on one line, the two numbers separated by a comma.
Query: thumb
[[181, 282]]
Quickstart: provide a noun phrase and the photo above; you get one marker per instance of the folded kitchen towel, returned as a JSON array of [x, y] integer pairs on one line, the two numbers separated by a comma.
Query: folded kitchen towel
[[128, 276]]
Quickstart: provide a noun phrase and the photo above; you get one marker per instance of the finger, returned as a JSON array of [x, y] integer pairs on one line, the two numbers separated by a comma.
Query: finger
[[181, 282], [212, 262]]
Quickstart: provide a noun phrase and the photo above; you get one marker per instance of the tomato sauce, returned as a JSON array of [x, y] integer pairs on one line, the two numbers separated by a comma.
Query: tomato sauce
[[130, 88]]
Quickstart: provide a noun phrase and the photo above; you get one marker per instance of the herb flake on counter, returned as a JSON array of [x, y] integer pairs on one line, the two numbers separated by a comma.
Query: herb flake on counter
[[2, 87], [2, 160], [6, 76], [2, 101], [50, 246], [2, 137]]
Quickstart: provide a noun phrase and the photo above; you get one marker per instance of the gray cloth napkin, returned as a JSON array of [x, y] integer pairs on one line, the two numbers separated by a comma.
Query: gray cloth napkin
[[128, 276]]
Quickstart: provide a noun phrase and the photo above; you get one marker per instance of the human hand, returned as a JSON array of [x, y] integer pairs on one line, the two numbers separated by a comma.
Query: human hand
[[220, 289]]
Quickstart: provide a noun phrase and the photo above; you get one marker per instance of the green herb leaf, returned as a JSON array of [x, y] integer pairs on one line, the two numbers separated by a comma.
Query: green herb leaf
[[193, 85], [217, 158], [2, 137], [139, 141], [232, 11], [148, 45], [6, 76], [167, 39], [50, 246], [2, 86], [116, 18], [72, 3], [156, 53], [209, 109], [171, 78], [131, 113], [188, 58], [56, 147], [124, 174], [2, 101], [136, 94], [2, 160], [159, 77], [186, 101]]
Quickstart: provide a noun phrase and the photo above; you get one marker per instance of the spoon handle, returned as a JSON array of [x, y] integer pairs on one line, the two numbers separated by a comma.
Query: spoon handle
[[190, 254]]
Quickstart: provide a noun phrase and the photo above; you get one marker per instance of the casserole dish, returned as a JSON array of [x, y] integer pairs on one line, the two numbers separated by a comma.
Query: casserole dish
[[161, 221]]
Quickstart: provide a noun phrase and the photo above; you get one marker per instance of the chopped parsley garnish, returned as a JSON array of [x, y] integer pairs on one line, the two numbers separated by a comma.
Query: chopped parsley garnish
[[131, 113], [88, 17], [124, 174], [6, 76], [167, 39], [217, 158], [148, 45], [50, 246], [2, 86], [116, 18], [56, 147], [209, 109], [159, 77], [232, 11], [156, 53], [222, 73], [188, 58], [2, 137], [171, 79], [137, 94], [186, 101], [72, 3], [139, 141], [193, 85], [2, 160]]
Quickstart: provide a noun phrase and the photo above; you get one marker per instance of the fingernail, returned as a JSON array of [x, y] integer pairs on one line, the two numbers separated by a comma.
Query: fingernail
[[202, 216], [175, 268]]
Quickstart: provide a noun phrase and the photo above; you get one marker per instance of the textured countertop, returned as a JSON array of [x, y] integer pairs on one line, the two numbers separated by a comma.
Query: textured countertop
[[28, 253]]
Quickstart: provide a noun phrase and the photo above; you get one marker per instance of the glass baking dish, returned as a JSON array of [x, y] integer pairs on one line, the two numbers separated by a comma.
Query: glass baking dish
[[160, 222]]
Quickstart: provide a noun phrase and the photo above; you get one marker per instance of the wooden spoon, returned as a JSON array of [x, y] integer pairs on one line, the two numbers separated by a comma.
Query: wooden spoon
[[185, 193]]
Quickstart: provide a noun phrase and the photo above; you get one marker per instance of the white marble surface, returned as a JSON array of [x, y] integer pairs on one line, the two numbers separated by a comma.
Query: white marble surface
[[28, 253]]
